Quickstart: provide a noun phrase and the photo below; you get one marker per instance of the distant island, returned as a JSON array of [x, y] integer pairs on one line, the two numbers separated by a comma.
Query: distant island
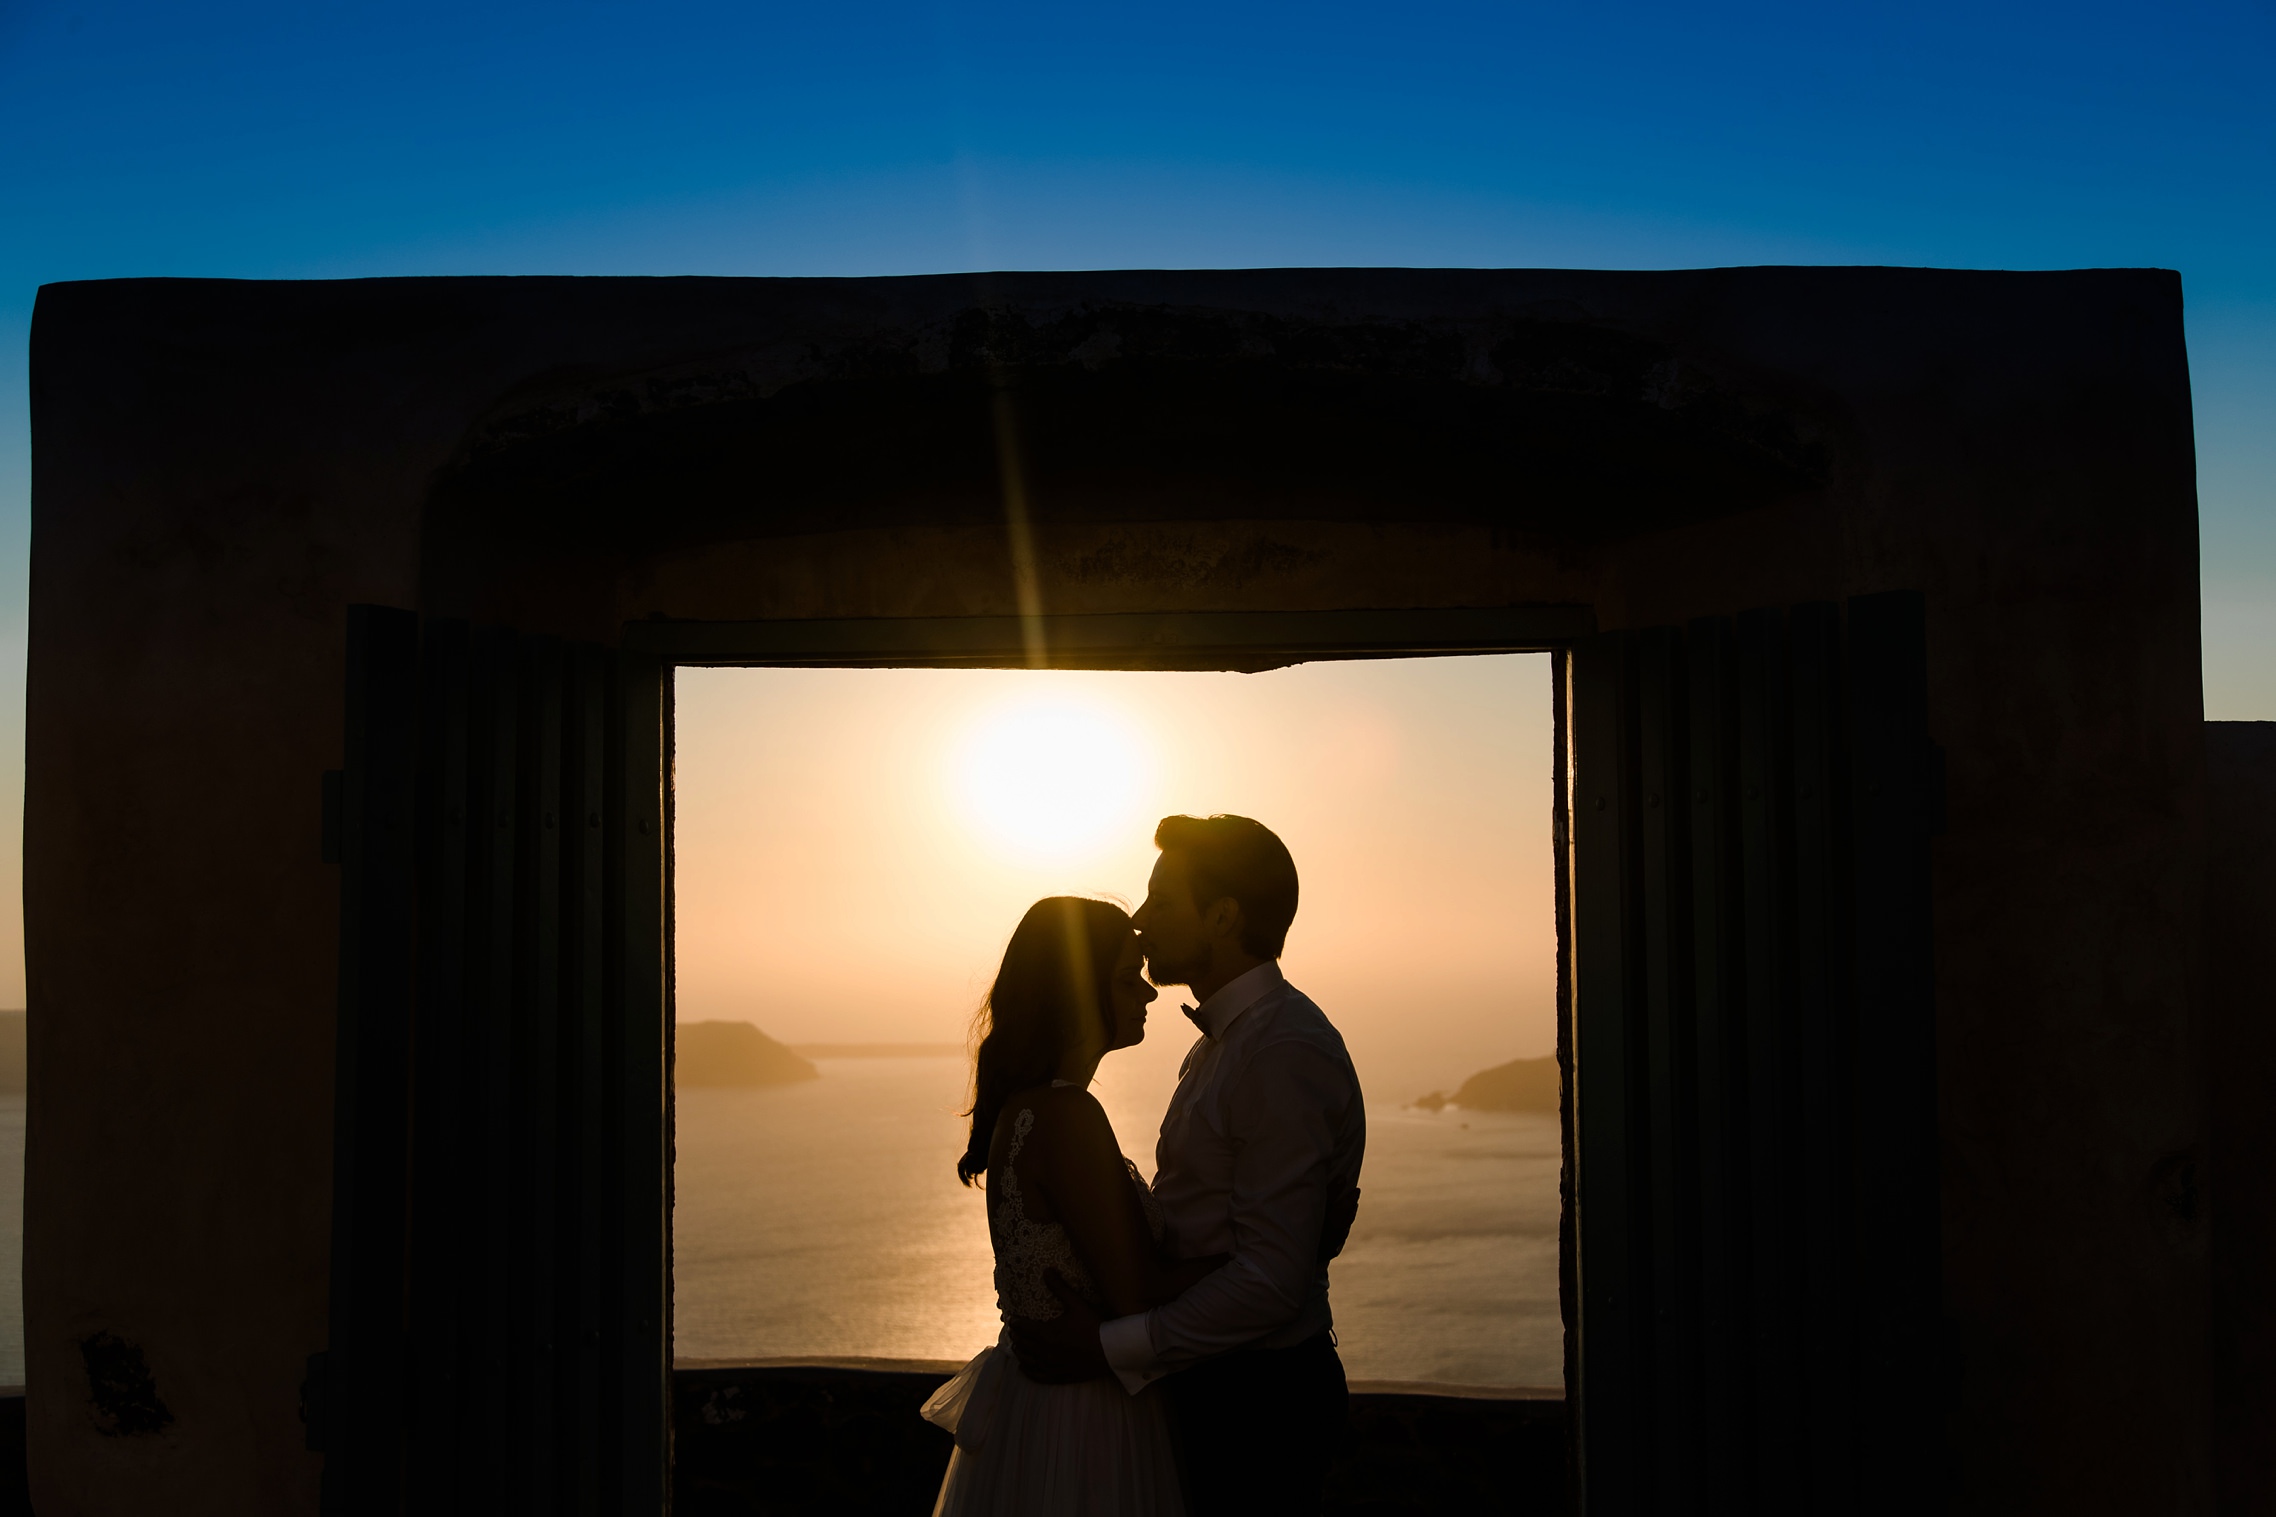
[[1519, 1085], [733, 1053]]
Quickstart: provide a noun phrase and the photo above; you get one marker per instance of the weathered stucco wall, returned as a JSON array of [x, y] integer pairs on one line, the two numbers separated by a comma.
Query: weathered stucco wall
[[221, 468]]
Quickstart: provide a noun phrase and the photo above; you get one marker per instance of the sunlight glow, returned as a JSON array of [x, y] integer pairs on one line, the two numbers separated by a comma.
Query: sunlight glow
[[1050, 776]]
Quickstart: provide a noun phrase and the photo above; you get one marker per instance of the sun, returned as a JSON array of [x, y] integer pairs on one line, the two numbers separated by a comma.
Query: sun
[[1049, 776]]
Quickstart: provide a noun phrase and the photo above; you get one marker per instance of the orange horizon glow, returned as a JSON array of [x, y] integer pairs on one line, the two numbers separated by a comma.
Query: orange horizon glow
[[854, 846]]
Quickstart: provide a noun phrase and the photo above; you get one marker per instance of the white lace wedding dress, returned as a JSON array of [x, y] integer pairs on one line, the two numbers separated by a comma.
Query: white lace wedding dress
[[1029, 1450]]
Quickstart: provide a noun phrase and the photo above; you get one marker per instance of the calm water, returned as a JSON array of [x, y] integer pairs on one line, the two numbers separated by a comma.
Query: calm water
[[825, 1219]]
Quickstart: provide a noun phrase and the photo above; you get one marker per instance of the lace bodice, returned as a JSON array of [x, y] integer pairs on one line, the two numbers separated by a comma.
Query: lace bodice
[[1026, 1248]]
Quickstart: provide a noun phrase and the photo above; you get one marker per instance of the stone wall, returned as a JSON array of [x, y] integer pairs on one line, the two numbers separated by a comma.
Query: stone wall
[[220, 468]]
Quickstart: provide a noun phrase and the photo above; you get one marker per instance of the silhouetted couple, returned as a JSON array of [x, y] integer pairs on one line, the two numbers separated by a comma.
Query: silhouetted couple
[[1166, 1348]]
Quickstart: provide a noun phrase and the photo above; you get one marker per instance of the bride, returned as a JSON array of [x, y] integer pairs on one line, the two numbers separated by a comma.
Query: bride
[[1061, 1197]]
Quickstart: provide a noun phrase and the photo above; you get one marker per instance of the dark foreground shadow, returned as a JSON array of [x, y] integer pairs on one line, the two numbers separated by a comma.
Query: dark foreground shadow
[[789, 1442], [15, 1488], [786, 1442]]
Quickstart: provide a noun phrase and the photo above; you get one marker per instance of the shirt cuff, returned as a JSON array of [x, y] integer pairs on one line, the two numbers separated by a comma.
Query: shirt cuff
[[1128, 1343]]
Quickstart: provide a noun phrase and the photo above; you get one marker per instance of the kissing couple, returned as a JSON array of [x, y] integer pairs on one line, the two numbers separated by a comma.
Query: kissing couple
[[1167, 1349]]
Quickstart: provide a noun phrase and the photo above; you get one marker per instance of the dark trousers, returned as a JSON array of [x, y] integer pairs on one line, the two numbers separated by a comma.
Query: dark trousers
[[1257, 1427]]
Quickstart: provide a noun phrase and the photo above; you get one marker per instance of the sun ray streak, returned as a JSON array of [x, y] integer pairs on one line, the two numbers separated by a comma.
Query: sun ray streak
[[1025, 589]]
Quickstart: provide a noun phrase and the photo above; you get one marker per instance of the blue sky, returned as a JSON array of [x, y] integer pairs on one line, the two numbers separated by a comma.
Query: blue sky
[[326, 140]]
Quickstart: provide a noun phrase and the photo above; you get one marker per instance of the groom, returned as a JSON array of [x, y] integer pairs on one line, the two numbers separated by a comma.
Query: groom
[[1259, 1158]]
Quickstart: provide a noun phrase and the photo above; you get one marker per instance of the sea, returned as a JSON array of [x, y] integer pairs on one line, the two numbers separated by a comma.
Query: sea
[[823, 1220]]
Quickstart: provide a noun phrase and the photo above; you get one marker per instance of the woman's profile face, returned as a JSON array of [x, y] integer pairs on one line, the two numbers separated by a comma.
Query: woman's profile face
[[1130, 995]]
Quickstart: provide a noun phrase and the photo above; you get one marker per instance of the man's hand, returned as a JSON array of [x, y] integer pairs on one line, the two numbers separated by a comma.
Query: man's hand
[[1065, 1349], [1335, 1227]]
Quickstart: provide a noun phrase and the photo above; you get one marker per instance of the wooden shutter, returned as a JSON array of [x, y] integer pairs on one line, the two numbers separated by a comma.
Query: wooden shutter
[[501, 1329], [1750, 803]]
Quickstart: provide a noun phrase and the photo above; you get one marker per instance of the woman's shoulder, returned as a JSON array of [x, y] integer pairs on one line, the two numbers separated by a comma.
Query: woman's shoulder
[[1055, 1100], [1062, 1113]]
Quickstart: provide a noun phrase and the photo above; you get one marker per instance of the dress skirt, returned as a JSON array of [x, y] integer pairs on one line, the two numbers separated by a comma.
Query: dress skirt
[[1030, 1450]]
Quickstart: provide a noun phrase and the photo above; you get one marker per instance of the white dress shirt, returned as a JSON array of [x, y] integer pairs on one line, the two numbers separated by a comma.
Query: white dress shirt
[[1266, 1126]]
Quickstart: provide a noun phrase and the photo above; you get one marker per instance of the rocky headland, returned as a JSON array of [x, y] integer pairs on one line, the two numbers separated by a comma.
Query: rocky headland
[[733, 1053], [1519, 1085]]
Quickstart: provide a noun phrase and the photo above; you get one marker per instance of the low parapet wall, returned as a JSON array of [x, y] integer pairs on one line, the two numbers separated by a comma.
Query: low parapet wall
[[796, 1439]]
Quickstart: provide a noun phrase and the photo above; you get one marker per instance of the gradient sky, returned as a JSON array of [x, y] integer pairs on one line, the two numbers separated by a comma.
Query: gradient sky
[[340, 140]]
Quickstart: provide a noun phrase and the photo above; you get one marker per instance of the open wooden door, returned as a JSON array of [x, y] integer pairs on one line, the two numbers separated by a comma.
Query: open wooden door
[[1754, 1124], [501, 1307]]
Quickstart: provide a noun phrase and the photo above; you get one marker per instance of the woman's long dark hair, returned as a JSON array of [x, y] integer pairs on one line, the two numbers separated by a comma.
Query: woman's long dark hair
[[1056, 972]]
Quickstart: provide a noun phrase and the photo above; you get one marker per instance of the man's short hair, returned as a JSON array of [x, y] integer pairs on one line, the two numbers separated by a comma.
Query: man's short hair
[[1234, 856]]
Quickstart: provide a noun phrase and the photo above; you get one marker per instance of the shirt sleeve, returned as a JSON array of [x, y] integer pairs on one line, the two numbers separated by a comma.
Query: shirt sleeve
[[1128, 1344], [1282, 1111]]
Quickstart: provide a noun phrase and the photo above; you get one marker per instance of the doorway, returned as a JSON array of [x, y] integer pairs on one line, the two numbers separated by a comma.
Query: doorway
[[850, 849]]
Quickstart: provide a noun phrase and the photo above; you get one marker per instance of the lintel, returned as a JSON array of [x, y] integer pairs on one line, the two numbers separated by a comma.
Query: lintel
[[1247, 641]]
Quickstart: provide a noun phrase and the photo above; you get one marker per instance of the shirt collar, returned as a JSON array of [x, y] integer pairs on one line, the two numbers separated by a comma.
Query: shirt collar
[[1234, 997]]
